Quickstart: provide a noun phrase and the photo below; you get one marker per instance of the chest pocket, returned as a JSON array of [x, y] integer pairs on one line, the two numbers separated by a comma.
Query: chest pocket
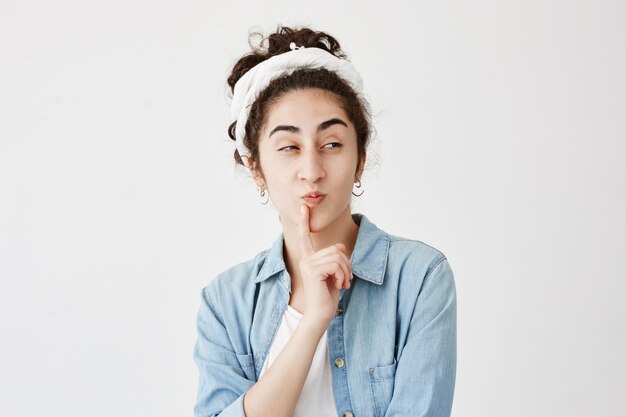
[[381, 383]]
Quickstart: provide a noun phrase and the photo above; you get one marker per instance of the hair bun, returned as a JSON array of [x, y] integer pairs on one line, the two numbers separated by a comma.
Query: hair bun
[[280, 42]]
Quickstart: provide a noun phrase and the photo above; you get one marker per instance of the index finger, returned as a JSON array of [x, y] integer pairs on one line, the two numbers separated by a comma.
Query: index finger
[[304, 231]]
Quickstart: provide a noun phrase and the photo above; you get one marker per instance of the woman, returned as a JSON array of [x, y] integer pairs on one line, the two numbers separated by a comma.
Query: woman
[[337, 317]]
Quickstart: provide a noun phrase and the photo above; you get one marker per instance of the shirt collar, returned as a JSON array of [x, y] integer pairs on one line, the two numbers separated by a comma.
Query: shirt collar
[[368, 260]]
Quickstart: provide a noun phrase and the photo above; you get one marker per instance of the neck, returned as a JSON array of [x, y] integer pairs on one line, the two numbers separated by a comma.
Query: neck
[[342, 230]]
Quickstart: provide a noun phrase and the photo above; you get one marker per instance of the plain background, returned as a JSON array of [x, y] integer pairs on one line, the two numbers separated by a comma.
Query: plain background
[[500, 140]]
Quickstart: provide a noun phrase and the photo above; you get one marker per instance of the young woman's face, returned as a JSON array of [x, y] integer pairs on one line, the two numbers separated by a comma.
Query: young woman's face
[[308, 145]]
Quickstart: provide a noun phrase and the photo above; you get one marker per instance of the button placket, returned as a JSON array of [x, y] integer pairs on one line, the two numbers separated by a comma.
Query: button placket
[[337, 356]]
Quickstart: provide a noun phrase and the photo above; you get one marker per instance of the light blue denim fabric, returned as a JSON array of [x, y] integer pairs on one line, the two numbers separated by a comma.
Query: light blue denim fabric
[[395, 330]]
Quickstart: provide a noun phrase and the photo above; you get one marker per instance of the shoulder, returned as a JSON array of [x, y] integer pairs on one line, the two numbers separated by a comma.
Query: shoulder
[[422, 272], [238, 279], [414, 253], [379, 254]]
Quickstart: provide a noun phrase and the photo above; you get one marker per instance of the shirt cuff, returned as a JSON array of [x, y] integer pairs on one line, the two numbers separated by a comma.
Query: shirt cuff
[[235, 409]]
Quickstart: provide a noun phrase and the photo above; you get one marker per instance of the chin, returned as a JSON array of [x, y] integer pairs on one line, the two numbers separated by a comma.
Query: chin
[[318, 222], [316, 227]]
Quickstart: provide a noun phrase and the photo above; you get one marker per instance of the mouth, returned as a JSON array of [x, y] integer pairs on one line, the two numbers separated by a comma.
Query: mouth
[[314, 199]]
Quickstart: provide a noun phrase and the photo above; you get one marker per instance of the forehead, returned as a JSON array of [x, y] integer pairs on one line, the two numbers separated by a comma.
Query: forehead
[[306, 104]]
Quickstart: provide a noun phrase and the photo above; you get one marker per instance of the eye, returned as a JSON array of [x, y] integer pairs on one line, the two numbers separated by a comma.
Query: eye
[[336, 145], [287, 148]]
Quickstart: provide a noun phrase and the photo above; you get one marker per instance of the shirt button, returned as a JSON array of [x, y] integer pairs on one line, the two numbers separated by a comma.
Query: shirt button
[[339, 311], [339, 363], [347, 414]]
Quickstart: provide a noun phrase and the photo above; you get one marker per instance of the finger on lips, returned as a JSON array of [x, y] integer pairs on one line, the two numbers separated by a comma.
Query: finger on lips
[[343, 274], [304, 231]]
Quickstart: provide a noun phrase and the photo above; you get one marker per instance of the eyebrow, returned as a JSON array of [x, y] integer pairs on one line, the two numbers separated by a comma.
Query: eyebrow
[[322, 126]]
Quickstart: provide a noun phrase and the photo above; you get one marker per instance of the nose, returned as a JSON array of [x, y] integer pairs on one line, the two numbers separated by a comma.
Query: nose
[[311, 166]]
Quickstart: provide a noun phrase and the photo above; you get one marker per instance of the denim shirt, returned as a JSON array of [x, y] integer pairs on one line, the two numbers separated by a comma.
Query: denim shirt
[[392, 342]]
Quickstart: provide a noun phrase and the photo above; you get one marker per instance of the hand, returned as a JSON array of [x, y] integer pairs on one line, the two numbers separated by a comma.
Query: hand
[[323, 272]]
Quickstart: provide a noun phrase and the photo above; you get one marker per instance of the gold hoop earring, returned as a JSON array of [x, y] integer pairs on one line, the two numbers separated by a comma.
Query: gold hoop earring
[[263, 193], [358, 186]]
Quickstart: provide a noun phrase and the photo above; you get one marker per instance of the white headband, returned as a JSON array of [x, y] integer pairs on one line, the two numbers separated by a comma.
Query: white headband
[[259, 77]]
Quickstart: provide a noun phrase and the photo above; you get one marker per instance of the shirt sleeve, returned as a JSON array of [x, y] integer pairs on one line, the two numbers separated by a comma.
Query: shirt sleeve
[[426, 369], [224, 375]]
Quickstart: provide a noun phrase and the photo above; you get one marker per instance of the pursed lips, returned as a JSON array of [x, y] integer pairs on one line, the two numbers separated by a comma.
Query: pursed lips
[[314, 198]]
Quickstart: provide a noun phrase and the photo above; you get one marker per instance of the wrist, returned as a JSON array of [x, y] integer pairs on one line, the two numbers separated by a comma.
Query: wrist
[[314, 325]]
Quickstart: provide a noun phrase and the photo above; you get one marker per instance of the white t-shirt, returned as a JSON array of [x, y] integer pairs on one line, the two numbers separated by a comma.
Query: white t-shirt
[[316, 399]]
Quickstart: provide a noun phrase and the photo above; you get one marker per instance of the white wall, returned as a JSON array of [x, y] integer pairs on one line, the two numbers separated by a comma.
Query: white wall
[[500, 140]]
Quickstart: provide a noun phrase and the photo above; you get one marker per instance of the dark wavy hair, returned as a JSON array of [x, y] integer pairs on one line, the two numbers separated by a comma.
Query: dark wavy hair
[[277, 43]]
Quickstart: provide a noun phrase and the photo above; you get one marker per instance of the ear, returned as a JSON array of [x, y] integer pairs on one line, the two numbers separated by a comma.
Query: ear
[[360, 168], [257, 176]]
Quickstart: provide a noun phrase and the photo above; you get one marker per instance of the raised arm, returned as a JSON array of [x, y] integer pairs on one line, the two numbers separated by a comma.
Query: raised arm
[[227, 386]]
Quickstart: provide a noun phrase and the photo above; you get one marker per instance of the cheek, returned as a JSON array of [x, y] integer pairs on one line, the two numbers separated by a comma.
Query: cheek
[[279, 186], [349, 173]]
